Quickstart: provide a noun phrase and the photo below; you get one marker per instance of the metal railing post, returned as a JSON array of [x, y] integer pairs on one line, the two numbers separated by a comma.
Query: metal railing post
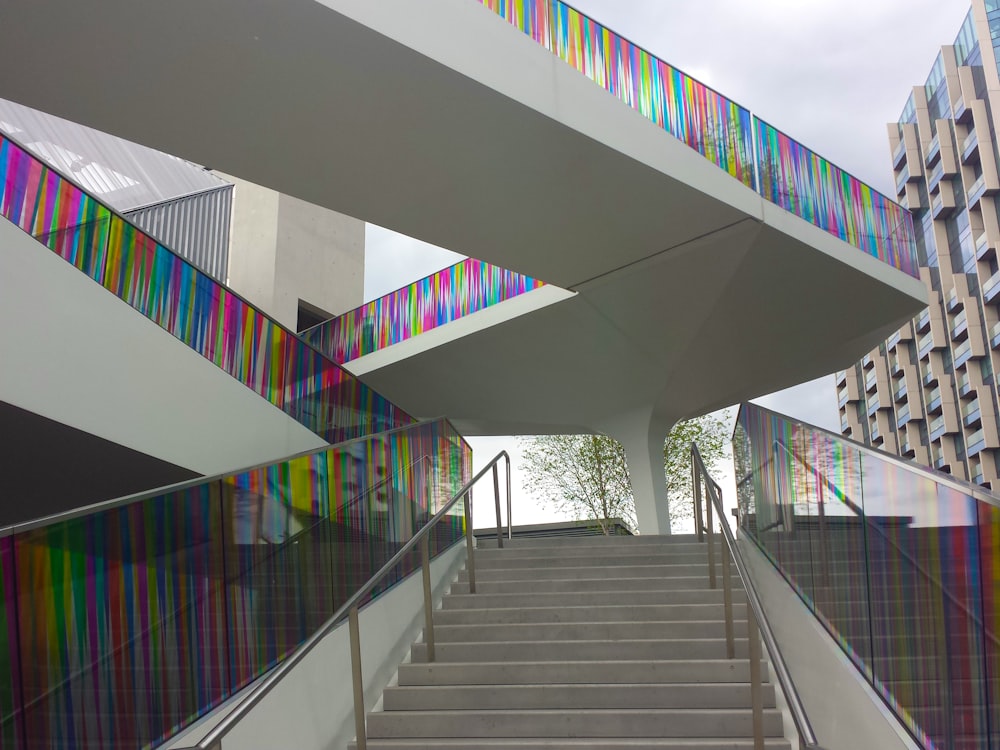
[[727, 600], [425, 564], [756, 699], [698, 521], [712, 583], [510, 529], [496, 497], [359, 690], [470, 560]]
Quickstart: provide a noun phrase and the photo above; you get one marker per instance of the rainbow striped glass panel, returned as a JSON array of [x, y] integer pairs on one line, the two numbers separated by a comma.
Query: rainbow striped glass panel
[[11, 719], [454, 292], [211, 319], [719, 129], [800, 181], [899, 567], [131, 622], [790, 175]]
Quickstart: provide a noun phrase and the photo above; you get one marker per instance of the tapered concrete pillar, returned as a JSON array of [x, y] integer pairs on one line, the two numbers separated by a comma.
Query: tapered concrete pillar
[[642, 435]]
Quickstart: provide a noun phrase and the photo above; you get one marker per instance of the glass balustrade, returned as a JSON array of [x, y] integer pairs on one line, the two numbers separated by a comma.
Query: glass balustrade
[[754, 152], [207, 316], [459, 290], [898, 563], [125, 624]]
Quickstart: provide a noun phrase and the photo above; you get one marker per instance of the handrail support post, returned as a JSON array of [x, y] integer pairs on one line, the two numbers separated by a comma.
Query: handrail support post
[[359, 690], [756, 699], [727, 601], [496, 497], [712, 582], [425, 564], [470, 559], [698, 521]]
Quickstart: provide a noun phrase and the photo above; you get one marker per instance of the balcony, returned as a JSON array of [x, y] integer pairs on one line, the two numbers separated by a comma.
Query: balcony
[[877, 438], [962, 353], [960, 327], [978, 477], [964, 384], [925, 344], [845, 425], [895, 368], [977, 191], [975, 444], [933, 150], [971, 414], [841, 377], [984, 248], [893, 339], [923, 320], [934, 401], [842, 397], [995, 336], [970, 148], [900, 393], [870, 381], [898, 153], [942, 205], [935, 175], [927, 375], [961, 112], [953, 301], [866, 361], [935, 430], [991, 288], [873, 405], [902, 417], [901, 179]]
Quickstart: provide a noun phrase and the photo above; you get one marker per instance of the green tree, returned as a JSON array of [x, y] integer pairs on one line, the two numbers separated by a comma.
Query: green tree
[[586, 476]]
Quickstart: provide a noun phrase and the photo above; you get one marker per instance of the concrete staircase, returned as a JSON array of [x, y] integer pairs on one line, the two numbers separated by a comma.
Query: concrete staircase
[[607, 643]]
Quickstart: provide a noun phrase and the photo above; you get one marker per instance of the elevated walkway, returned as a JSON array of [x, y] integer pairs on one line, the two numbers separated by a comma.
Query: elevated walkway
[[687, 229]]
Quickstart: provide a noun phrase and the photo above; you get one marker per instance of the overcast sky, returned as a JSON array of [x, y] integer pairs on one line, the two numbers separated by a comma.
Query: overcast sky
[[830, 73]]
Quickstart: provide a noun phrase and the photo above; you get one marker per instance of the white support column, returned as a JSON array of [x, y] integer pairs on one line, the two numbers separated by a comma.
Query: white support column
[[642, 435]]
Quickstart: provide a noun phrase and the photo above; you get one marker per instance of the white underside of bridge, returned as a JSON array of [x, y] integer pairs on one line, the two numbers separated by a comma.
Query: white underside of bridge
[[439, 120]]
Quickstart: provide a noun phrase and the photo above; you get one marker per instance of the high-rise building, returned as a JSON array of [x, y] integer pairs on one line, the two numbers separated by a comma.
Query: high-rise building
[[929, 392]]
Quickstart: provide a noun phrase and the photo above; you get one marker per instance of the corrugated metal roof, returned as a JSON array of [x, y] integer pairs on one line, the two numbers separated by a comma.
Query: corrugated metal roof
[[123, 174], [196, 227]]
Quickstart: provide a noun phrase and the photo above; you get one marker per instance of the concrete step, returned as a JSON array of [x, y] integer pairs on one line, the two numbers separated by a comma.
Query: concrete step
[[567, 599], [519, 672], [570, 556], [581, 650], [585, 584], [631, 630], [589, 723], [563, 572], [569, 743], [674, 541], [508, 697], [674, 613]]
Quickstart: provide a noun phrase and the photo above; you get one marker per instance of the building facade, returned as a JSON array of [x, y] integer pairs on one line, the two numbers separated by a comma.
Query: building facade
[[930, 391]]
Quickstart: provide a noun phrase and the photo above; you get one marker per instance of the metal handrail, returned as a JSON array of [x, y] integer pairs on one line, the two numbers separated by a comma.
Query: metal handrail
[[213, 740], [807, 738]]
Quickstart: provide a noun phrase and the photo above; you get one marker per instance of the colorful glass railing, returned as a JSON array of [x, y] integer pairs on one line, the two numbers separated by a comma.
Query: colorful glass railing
[[901, 565], [121, 626], [782, 170], [211, 319], [454, 292]]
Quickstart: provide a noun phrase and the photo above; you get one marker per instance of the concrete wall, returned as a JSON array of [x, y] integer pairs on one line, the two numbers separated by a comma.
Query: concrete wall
[[312, 707], [75, 353], [284, 249], [844, 710]]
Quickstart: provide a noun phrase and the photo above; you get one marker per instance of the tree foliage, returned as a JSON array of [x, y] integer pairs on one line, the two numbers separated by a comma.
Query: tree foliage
[[586, 476]]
